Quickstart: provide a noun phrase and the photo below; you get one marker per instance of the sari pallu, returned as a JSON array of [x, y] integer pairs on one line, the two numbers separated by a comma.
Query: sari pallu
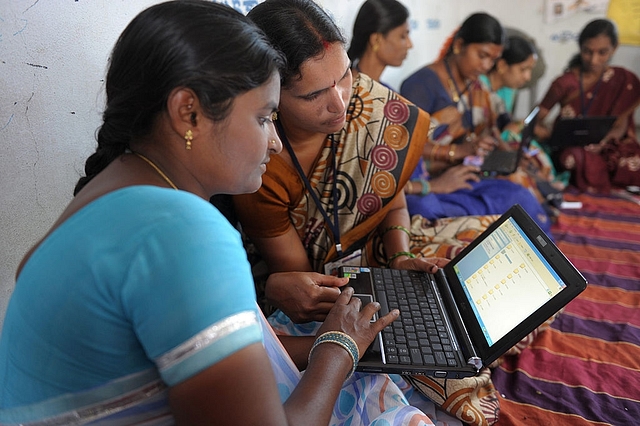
[[616, 93], [376, 152]]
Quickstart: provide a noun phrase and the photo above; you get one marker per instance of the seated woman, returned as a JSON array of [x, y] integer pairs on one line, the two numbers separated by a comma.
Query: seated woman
[[138, 306], [335, 194], [592, 87], [380, 37], [512, 71], [460, 107]]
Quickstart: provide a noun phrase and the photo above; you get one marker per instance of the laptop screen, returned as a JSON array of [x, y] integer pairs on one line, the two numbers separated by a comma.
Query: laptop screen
[[506, 279]]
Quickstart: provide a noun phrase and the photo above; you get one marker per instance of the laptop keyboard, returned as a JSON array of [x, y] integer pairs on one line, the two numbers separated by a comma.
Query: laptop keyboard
[[419, 336]]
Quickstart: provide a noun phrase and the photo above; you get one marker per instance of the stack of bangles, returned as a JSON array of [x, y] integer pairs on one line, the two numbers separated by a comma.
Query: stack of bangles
[[446, 155], [341, 339]]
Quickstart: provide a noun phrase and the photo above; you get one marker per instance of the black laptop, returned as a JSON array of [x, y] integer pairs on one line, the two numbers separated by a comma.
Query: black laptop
[[579, 131], [502, 162], [506, 283]]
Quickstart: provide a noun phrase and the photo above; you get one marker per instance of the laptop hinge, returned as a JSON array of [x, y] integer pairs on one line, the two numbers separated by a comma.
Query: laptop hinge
[[468, 348]]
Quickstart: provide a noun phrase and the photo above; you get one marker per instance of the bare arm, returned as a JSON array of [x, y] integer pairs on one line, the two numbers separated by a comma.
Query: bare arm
[[241, 389], [397, 241]]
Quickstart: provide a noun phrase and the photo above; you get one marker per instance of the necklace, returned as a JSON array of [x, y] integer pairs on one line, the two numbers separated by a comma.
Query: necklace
[[457, 96], [157, 169]]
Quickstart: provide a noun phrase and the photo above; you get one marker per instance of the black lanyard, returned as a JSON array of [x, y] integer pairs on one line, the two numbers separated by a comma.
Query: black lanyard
[[585, 109], [334, 226], [468, 109]]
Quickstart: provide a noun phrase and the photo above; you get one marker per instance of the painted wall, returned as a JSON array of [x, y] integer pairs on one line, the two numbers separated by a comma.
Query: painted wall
[[52, 64]]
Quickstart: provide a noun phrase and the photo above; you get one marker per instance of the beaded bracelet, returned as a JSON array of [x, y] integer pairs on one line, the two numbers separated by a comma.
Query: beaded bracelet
[[398, 254], [399, 228], [341, 339]]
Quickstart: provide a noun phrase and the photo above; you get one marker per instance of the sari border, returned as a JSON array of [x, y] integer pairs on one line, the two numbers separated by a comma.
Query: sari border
[[206, 337]]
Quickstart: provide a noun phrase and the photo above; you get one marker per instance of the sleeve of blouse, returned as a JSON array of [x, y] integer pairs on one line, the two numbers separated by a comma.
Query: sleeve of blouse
[[553, 95], [418, 89], [189, 292]]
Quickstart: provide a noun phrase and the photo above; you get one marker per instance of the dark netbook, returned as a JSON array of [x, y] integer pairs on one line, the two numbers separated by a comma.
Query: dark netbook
[[579, 131], [501, 162], [506, 283]]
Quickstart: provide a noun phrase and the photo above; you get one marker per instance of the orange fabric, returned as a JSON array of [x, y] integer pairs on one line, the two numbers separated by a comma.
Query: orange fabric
[[377, 150]]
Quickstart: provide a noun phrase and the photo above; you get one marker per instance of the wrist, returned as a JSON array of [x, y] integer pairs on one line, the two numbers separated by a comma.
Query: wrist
[[336, 339], [423, 185], [391, 260]]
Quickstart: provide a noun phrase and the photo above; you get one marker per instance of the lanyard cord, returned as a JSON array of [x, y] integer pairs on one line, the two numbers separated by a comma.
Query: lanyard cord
[[595, 92], [459, 94], [334, 226]]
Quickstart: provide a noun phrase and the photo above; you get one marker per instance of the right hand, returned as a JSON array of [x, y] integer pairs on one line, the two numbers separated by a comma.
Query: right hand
[[346, 316], [303, 296], [540, 131], [454, 178]]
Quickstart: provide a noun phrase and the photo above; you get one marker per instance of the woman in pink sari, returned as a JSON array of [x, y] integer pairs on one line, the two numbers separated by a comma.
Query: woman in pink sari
[[592, 87]]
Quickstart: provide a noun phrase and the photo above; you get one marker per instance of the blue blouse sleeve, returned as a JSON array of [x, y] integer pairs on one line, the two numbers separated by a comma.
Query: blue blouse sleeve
[[190, 293], [424, 89]]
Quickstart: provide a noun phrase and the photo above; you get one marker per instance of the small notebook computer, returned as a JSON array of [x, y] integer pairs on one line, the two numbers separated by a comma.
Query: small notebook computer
[[501, 162], [579, 131], [506, 283]]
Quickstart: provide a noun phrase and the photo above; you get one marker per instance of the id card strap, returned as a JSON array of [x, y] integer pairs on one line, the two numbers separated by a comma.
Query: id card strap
[[333, 225]]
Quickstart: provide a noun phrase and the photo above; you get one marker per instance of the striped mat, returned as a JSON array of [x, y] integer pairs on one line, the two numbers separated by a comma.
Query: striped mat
[[585, 369]]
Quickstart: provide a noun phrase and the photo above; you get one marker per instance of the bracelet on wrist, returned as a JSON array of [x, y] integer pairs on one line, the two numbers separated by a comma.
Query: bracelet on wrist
[[341, 339], [425, 186], [398, 228], [398, 254]]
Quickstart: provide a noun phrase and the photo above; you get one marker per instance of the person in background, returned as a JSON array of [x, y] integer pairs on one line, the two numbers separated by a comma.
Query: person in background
[[138, 306], [590, 86], [511, 71], [536, 170], [466, 128], [380, 37]]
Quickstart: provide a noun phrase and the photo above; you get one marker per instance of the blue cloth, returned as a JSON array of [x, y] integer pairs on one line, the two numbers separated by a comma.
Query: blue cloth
[[489, 196], [140, 289]]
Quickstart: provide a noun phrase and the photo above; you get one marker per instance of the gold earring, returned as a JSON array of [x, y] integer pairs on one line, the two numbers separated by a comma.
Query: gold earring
[[375, 47], [456, 51], [188, 136]]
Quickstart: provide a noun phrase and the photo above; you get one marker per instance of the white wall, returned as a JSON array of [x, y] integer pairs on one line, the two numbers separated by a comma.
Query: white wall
[[52, 64]]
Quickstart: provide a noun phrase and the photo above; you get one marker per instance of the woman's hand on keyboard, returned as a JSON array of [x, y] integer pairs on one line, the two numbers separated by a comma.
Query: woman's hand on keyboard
[[303, 296], [350, 317]]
